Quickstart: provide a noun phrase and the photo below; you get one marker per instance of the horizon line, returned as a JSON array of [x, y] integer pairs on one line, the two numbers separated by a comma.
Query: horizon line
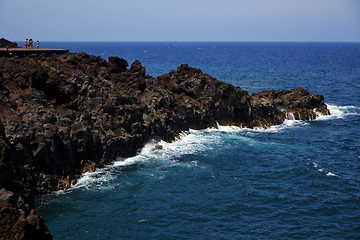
[[197, 41]]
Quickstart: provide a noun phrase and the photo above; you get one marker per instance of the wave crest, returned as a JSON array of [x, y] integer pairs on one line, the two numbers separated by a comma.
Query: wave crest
[[339, 112]]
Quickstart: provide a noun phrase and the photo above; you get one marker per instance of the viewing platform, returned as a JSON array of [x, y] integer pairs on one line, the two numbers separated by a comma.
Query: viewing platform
[[25, 52]]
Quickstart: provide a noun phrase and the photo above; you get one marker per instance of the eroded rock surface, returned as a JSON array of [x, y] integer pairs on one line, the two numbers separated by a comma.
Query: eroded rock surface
[[71, 113], [18, 217]]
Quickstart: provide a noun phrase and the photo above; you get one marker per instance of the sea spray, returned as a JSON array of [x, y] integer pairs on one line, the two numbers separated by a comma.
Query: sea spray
[[197, 141], [290, 116], [338, 112], [191, 142]]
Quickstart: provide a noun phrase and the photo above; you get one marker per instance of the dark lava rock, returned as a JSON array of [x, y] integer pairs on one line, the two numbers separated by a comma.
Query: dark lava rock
[[6, 43], [67, 114], [18, 217], [117, 65], [297, 101], [70, 113], [138, 68]]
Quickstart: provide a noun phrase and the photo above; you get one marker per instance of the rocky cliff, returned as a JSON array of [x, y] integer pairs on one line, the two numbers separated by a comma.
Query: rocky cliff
[[6, 43], [67, 114], [18, 217]]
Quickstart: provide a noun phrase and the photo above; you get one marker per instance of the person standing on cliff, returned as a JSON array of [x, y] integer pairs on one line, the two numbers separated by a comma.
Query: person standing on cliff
[[9, 50], [37, 45], [26, 44]]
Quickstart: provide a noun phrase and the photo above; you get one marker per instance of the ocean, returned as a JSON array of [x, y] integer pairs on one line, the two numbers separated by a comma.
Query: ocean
[[298, 180]]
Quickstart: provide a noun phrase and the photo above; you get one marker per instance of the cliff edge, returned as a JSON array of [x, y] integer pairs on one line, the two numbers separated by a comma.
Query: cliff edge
[[70, 113]]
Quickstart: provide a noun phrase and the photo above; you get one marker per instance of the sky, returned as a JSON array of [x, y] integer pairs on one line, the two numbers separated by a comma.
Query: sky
[[184, 20]]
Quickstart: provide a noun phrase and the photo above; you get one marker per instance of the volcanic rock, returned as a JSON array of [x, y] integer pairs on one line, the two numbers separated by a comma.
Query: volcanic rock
[[117, 65], [6, 43], [67, 114], [18, 217]]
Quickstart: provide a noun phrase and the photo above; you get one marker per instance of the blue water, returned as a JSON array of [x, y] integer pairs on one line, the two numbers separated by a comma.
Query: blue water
[[299, 180]]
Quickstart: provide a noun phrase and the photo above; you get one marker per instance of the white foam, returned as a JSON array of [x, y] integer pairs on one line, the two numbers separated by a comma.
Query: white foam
[[330, 174], [220, 128], [195, 141], [274, 128], [322, 170], [285, 125], [229, 129], [290, 116], [316, 165], [190, 143], [168, 154], [94, 180], [123, 162], [338, 112]]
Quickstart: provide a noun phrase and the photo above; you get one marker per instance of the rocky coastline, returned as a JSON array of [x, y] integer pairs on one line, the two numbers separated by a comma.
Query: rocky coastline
[[63, 115], [4, 43]]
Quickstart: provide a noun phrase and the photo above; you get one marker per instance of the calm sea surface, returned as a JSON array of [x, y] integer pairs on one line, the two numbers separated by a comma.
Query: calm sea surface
[[299, 180]]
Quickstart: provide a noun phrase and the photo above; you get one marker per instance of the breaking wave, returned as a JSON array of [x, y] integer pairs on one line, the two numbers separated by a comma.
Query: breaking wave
[[338, 112], [192, 142]]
